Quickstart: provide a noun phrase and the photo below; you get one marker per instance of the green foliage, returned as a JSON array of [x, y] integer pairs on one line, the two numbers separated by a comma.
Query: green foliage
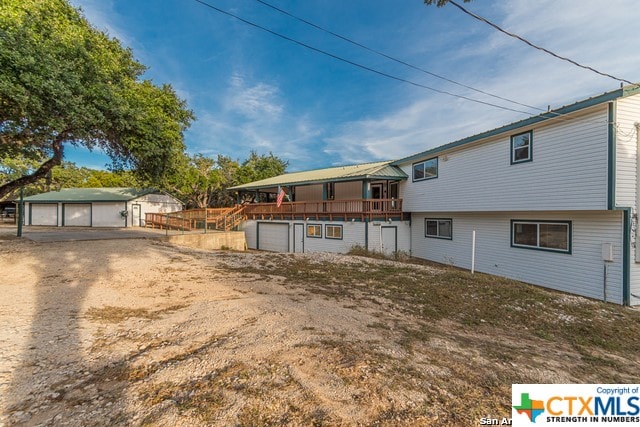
[[64, 82], [202, 181], [195, 181], [67, 175], [258, 167]]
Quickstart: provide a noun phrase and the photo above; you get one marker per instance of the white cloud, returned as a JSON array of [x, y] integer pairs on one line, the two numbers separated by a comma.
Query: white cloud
[[258, 101], [592, 32], [252, 117]]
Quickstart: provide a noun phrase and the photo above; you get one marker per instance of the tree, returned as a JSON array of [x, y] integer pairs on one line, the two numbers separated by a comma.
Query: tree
[[203, 181], [258, 167], [68, 175], [64, 82], [440, 3], [196, 182]]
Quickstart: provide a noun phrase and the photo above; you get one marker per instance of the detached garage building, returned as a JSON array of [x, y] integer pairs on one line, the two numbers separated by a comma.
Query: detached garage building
[[97, 207]]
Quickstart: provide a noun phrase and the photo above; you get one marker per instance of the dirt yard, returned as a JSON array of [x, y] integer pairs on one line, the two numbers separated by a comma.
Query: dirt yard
[[137, 332]]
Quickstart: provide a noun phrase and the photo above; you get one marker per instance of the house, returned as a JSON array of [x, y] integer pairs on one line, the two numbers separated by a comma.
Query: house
[[329, 210], [97, 207], [550, 200]]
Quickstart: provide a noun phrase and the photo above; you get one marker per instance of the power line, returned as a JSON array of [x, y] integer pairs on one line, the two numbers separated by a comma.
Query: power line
[[355, 64], [502, 30], [377, 52]]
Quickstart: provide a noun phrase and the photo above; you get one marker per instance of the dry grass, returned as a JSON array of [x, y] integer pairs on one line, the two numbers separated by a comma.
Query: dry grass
[[111, 314], [469, 338]]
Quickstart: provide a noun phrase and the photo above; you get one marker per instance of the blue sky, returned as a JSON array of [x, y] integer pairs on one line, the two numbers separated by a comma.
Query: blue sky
[[251, 90]]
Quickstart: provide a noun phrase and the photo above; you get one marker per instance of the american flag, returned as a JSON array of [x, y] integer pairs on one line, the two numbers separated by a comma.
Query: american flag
[[280, 196]]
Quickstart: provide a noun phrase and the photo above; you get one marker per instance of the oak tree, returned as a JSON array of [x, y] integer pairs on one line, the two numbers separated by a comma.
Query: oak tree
[[64, 82]]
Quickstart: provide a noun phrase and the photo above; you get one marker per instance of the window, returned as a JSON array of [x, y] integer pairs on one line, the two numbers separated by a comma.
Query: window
[[521, 147], [333, 231], [425, 170], [439, 228], [314, 230], [544, 235]]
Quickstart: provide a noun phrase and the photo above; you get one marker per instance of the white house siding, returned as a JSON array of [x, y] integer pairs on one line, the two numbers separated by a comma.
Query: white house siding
[[568, 171], [581, 272], [353, 233], [308, 192], [403, 232], [107, 214], [152, 203], [42, 214], [348, 190], [627, 115], [77, 214]]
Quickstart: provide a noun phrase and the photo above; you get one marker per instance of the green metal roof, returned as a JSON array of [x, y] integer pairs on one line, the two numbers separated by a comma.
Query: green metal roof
[[553, 114], [118, 194], [377, 170]]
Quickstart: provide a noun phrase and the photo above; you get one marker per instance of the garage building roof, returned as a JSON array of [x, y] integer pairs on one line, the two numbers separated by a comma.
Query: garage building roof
[[118, 194]]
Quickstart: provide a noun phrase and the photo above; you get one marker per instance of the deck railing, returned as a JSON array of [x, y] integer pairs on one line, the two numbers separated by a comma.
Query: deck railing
[[197, 219], [340, 210]]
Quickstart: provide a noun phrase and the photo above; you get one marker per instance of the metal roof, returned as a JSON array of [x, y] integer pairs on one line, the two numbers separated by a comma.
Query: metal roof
[[118, 194], [377, 170], [550, 115]]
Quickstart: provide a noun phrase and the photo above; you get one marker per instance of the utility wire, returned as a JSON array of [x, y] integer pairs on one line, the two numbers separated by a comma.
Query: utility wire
[[394, 59], [522, 39], [355, 64], [550, 114]]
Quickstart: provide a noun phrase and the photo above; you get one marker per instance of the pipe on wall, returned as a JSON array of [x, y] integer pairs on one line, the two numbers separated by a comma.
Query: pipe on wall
[[637, 231]]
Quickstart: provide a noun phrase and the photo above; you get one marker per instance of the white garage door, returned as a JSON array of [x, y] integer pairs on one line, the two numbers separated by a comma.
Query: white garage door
[[43, 214], [273, 237], [76, 214]]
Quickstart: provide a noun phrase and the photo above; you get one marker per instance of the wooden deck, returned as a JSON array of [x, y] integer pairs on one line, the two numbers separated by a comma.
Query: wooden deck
[[332, 210], [197, 219], [229, 218]]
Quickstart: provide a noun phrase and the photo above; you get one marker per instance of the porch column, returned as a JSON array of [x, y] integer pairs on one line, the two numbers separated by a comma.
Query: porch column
[[366, 189]]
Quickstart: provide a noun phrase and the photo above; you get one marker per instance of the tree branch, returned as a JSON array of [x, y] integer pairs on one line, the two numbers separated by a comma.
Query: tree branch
[[41, 172]]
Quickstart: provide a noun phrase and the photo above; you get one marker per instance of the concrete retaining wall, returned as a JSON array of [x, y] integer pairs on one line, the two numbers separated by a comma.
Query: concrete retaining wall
[[214, 240]]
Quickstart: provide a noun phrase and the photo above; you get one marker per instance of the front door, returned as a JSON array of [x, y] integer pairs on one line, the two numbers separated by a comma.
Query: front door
[[376, 193], [298, 238], [393, 194], [135, 215]]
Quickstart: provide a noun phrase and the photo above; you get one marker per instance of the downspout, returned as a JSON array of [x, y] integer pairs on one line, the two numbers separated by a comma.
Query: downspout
[[637, 232]]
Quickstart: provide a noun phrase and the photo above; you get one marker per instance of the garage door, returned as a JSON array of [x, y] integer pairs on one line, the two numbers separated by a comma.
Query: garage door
[[43, 214], [273, 237], [78, 215]]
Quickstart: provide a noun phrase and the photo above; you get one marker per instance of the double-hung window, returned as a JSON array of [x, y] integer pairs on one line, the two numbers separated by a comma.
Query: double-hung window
[[521, 147], [427, 169], [314, 230], [544, 235], [333, 231], [439, 228]]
